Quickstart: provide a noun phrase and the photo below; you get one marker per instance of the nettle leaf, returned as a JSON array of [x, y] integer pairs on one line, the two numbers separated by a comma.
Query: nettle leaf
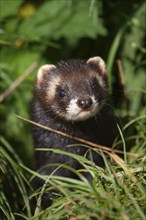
[[9, 8], [53, 20], [81, 24], [40, 24]]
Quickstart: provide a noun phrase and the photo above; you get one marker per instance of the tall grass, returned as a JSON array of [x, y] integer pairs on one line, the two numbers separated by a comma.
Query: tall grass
[[117, 191]]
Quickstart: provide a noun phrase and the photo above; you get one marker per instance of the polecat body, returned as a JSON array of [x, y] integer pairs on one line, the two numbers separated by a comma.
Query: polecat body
[[70, 97]]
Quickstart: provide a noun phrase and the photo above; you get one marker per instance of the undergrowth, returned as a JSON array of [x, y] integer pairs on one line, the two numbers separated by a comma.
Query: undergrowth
[[116, 192]]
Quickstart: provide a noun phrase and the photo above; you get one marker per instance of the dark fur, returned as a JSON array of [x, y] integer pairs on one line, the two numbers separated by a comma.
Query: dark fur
[[99, 129]]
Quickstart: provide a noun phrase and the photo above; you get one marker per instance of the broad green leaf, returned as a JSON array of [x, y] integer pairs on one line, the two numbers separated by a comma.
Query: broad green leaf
[[9, 7], [58, 19]]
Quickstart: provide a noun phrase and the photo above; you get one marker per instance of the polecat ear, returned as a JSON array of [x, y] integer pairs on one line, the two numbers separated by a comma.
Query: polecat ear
[[99, 63], [43, 70]]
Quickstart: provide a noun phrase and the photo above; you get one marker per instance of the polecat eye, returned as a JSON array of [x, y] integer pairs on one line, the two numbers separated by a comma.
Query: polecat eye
[[61, 93]]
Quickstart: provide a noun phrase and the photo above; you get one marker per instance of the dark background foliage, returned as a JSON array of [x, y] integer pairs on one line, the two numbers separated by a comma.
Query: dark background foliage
[[48, 31]]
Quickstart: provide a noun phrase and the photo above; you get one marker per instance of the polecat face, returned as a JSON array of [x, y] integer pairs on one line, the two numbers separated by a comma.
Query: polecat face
[[73, 90]]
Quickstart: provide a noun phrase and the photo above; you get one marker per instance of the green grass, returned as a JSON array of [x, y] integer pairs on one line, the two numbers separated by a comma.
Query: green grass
[[117, 191]]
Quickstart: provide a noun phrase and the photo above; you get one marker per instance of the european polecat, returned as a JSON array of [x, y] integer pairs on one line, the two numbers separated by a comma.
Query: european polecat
[[71, 97]]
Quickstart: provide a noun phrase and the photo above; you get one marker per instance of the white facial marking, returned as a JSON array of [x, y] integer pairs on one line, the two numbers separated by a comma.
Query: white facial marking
[[75, 113], [100, 81], [52, 84]]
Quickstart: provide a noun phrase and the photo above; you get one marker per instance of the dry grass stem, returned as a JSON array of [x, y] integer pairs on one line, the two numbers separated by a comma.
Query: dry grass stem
[[99, 147], [17, 81], [121, 73]]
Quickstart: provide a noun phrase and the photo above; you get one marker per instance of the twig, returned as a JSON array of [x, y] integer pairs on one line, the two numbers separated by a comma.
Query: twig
[[17, 82], [99, 147], [121, 73]]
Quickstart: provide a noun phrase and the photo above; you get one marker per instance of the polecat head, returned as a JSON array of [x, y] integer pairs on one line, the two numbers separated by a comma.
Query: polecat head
[[73, 90]]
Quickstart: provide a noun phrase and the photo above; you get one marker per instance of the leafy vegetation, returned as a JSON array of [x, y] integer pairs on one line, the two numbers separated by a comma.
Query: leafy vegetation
[[38, 32]]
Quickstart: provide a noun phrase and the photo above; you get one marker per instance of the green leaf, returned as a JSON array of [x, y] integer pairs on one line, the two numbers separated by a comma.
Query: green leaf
[[53, 20], [9, 7]]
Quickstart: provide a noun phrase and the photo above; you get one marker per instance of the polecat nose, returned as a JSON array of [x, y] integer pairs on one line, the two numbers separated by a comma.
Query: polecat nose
[[84, 102]]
